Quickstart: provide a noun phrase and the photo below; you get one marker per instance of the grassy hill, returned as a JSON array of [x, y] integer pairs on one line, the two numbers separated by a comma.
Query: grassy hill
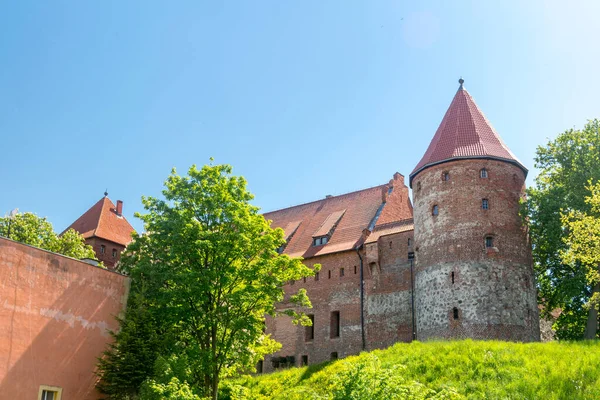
[[439, 370]]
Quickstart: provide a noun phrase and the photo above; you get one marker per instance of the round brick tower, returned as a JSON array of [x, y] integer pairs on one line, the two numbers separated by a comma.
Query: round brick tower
[[474, 275]]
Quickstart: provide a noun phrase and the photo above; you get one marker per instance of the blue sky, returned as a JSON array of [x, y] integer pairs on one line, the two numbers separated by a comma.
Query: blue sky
[[303, 98]]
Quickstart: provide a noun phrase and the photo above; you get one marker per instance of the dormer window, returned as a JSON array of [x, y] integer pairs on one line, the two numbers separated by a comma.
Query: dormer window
[[325, 231], [319, 241]]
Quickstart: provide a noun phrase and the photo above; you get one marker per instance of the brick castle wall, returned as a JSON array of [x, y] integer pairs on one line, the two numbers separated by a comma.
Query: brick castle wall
[[54, 315], [493, 288]]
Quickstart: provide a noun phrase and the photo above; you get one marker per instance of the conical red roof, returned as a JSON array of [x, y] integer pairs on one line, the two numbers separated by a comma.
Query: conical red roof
[[464, 133], [102, 221]]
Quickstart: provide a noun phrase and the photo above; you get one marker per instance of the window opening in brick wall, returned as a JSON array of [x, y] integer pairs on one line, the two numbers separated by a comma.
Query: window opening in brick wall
[[49, 393], [259, 367], [333, 356], [483, 173], [102, 249], [453, 277], [329, 274], [489, 241], [341, 272], [409, 241], [304, 279], [411, 255], [355, 270], [435, 210], [335, 324], [485, 204], [114, 253], [309, 331], [304, 360], [445, 176], [316, 276], [455, 313]]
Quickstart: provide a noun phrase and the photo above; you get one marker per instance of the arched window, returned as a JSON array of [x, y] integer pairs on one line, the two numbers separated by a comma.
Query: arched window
[[483, 173], [435, 210]]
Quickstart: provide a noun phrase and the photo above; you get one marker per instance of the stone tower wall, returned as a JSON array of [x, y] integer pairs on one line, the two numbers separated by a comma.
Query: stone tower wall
[[463, 288]]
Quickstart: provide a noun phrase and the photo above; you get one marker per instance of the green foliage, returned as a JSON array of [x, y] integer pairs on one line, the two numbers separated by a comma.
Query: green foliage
[[210, 272], [443, 370], [583, 249], [130, 359], [567, 165], [30, 229]]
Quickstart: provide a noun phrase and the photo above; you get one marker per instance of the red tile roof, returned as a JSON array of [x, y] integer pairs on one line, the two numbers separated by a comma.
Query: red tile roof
[[354, 212], [102, 221], [464, 133], [390, 228]]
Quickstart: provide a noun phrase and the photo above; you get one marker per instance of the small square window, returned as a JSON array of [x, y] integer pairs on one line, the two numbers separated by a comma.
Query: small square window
[[341, 272], [304, 360], [489, 241], [483, 173], [102, 249], [484, 204], [114, 253], [334, 356], [49, 393]]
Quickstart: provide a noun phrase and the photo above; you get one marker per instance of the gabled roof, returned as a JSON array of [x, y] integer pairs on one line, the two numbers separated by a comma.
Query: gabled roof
[[464, 133], [102, 221], [352, 212]]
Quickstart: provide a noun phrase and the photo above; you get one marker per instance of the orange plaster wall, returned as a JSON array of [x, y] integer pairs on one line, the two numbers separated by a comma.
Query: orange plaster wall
[[54, 316]]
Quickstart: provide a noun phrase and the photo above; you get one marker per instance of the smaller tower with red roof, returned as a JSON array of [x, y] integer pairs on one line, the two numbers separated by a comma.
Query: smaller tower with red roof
[[105, 229], [474, 274]]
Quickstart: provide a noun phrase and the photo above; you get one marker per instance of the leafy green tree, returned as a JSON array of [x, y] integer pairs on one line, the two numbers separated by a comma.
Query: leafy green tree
[[566, 165], [30, 229], [583, 248], [212, 272]]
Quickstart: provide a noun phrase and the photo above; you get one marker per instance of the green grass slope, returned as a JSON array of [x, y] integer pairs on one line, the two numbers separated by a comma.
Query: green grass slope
[[439, 370]]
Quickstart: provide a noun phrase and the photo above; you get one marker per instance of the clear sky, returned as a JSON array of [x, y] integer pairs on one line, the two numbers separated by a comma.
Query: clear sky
[[303, 98]]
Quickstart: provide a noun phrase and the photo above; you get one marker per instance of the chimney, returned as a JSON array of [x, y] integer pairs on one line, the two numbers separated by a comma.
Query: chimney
[[119, 208]]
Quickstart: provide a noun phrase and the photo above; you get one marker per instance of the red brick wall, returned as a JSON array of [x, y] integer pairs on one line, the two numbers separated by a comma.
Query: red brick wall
[[54, 316], [107, 257], [493, 289]]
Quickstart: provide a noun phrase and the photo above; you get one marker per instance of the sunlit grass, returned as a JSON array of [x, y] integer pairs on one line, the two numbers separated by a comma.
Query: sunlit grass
[[440, 370]]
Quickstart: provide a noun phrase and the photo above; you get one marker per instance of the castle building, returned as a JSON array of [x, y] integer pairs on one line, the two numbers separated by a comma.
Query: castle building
[[456, 266], [105, 228]]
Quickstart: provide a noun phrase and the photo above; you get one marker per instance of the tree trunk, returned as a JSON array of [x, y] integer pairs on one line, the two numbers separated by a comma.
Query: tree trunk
[[215, 387], [591, 327]]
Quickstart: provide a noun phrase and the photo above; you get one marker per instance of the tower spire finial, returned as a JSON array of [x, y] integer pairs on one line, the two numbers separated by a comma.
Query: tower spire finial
[[106, 192], [461, 81]]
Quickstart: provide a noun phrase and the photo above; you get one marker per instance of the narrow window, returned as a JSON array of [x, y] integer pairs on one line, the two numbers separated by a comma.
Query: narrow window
[[304, 279], [304, 360], [455, 313], [445, 176], [309, 331], [483, 173], [329, 274], [114, 253], [418, 186], [341, 272], [335, 324], [409, 242], [102, 249], [390, 245], [435, 210], [316, 276], [334, 356], [355, 270], [453, 277], [489, 241], [484, 204], [259, 367]]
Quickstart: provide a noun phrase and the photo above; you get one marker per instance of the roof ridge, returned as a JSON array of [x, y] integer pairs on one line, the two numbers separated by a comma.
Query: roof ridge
[[326, 198]]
